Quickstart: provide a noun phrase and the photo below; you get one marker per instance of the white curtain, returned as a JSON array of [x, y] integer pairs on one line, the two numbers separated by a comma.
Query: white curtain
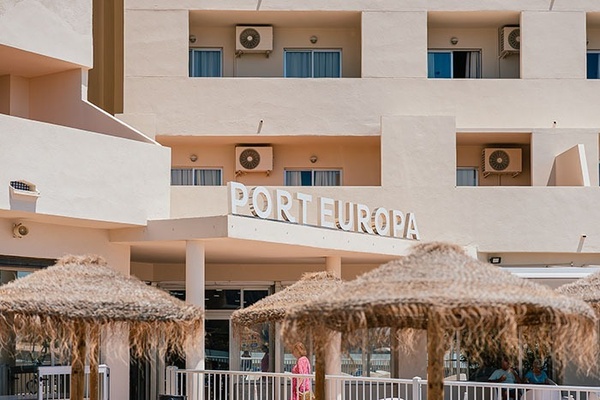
[[182, 177], [293, 178], [327, 178], [208, 177], [466, 177], [473, 65]]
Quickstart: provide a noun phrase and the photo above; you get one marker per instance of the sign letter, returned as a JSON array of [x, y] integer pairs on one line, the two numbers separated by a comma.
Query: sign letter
[[284, 204], [238, 196], [263, 193]]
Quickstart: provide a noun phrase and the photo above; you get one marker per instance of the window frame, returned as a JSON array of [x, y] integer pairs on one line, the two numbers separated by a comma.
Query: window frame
[[312, 171], [312, 61], [452, 51], [216, 49], [193, 171]]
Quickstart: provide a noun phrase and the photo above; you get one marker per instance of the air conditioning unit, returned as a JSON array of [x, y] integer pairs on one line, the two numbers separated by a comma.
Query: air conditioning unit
[[510, 39], [254, 39], [502, 161], [254, 159]]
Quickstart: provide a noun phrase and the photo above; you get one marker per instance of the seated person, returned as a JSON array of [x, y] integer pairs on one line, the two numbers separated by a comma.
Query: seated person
[[537, 375], [506, 374]]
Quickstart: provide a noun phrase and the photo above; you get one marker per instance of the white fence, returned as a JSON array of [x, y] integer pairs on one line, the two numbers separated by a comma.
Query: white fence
[[50, 383], [235, 385]]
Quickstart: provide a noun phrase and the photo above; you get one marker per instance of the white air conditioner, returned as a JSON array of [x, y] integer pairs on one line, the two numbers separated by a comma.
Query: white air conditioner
[[254, 159], [510, 39], [254, 39], [502, 161]]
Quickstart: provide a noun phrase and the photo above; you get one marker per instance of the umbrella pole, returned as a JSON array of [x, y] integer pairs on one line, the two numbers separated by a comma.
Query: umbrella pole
[[435, 356], [94, 377], [319, 374], [78, 363]]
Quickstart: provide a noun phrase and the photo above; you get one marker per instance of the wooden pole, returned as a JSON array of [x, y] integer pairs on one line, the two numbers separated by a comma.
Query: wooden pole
[[94, 378], [78, 363], [319, 374], [435, 357]]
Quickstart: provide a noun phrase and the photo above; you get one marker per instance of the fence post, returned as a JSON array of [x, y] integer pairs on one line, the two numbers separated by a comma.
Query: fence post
[[417, 388], [170, 380]]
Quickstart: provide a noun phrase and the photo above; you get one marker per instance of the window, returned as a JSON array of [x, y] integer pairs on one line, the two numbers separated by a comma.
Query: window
[[205, 63], [453, 64], [312, 63], [466, 176], [196, 177], [313, 178], [593, 64]]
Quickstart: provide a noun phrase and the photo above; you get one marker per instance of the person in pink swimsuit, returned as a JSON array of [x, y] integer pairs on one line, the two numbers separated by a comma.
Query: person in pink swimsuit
[[300, 385]]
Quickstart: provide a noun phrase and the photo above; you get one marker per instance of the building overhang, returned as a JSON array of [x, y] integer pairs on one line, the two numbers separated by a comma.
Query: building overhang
[[237, 238]]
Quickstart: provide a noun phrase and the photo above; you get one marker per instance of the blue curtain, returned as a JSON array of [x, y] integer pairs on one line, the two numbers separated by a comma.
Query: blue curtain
[[205, 63], [593, 65], [298, 178], [439, 65], [298, 64], [327, 64]]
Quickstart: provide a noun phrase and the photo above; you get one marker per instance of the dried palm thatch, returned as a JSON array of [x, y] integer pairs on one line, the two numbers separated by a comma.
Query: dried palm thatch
[[69, 303], [586, 289], [441, 289], [274, 307]]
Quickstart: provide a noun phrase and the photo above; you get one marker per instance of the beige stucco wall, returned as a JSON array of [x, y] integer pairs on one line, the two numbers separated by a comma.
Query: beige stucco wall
[[553, 45], [394, 44], [547, 144], [82, 174], [59, 29]]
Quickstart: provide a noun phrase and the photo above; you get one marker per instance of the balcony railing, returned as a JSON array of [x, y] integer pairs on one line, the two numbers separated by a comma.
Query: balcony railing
[[236, 385]]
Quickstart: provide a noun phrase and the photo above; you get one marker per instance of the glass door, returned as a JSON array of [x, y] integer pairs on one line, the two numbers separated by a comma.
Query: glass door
[[217, 344]]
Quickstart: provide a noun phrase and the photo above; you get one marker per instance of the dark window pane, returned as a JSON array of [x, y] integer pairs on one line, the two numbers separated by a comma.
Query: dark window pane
[[221, 299], [252, 296]]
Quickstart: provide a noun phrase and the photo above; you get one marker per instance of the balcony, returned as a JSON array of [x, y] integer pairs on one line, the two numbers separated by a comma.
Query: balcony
[[293, 44]]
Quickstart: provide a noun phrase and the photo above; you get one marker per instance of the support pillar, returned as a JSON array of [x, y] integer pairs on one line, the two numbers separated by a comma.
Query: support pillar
[[194, 293], [333, 356]]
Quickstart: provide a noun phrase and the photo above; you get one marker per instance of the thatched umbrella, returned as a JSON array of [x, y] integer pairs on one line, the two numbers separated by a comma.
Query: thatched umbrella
[[441, 289], [68, 303], [275, 307], [586, 289]]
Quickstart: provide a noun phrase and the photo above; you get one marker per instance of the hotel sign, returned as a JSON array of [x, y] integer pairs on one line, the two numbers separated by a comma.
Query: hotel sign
[[297, 208]]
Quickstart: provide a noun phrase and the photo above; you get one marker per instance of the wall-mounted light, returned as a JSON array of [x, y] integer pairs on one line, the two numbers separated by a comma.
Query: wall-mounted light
[[313, 159], [495, 260], [20, 230], [192, 38], [454, 40], [193, 158], [313, 39]]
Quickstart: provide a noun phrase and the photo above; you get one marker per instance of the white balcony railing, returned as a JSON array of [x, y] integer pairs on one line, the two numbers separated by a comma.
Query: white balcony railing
[[236, 385]]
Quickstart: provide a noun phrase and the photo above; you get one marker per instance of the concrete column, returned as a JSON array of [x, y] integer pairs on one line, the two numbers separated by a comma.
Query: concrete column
[[194, 292], [333, 356], [115, 352]]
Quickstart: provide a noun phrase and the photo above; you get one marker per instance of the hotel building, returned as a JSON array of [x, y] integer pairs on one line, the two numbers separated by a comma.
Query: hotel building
[[221, 149]]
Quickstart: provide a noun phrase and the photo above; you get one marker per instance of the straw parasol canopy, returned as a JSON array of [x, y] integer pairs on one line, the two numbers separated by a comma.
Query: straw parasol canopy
[[586, 289], [441, 289], [274, 308], [68, 303]]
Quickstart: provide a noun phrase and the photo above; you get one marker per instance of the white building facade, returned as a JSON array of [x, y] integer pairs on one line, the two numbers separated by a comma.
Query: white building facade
[[245, 143]]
